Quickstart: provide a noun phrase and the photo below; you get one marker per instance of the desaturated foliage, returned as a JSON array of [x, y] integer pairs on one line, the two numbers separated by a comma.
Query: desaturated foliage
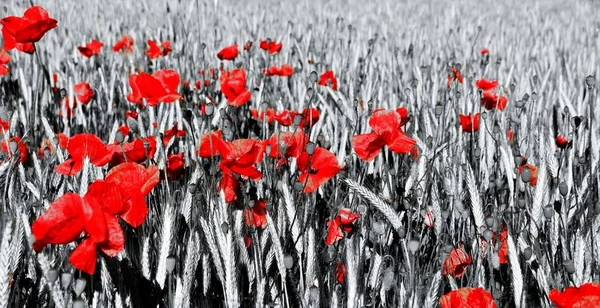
[[200, 153]]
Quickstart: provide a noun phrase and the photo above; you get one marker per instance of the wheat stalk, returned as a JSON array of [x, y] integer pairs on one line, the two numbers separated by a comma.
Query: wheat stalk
[[474, 198], [391, 215], [517, 277]]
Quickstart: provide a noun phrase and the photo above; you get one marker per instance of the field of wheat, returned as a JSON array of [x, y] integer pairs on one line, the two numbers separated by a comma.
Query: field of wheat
[[216, 153]]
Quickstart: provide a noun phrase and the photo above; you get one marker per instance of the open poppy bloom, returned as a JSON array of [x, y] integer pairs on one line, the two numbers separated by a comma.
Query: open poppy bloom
[[62, 140], [31, 27], [387, 130], [4, 60], [534, 171], [490, 98], [340, 271], [10, 43], [81, 146], [124, 45], [14, 146], [271, 46], [84, 92], [269, 114], [155, 52], [233, 86], [342, 224], [484, 51], [454, 75], [131, 114], [284, 71], [310, 116], [328, 79], [562, 142], [239, 157], [469, 123], [467, 297], [91, 49], [161, 86], [586, 295], [228, 53], [286, 144], [172, 132], [317, 169], [175, 166], [210, 144], [457, 262], [256, 215], [137, 150]]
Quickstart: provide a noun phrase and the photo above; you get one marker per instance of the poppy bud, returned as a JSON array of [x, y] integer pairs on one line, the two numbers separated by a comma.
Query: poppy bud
[[224, 227], [52, 275], [63, 92], [171, 263], [192, 188], [445, 214], [209, 109], [569, 266], [65, 280], [488, 234], [489, 221], [562, 141], [309, 92], [264, 105], [576, 121], [80, 286], [439, 109], [299, 186], [413, 245], [288, 261], [297, 120], [534, 96], [13, 146], [563, 188], [313, 76], [310, 148], [268, 149], [548, 211], [119, 137], [527, 253], [448, 248], [590, 81]]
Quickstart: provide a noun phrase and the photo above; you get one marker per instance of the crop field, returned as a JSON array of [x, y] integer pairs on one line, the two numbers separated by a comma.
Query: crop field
[[221, 153]]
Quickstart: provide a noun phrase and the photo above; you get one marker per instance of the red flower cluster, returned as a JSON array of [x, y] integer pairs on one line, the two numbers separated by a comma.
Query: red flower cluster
[[467, 297], [387, 130], [271, 46], [342, 224], [81, 146], [285, 70], [124, 45], [121, 194]]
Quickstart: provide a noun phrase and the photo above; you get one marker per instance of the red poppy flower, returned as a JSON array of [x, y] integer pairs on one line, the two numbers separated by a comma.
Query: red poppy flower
[[4, 60], [10, 43], [233, 86], [210, 144], [293, 143], [31, 27], [5, 125], [135, 182], [271, 46], [155, 52], [342, 223], [284, 71], [387, 130], [228, 53], [503, 252], [45, 145], [131, 114], [21, 149], [257, 215], [490, 98], [137, 151], [340, 271], [327, 79], [456, 262], [269, 113], [310, 116], [469, 123], [91, 49], [562, 142], [467, 297], [248, 45], [172, 132], [124, 129], [175, 166], [454, 75], [84, 92], [317, 169], [124, 45], [484, 51], [239, 157], [81, 146], [586, 295], [63, 140], [428, 219], [161, 86]]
